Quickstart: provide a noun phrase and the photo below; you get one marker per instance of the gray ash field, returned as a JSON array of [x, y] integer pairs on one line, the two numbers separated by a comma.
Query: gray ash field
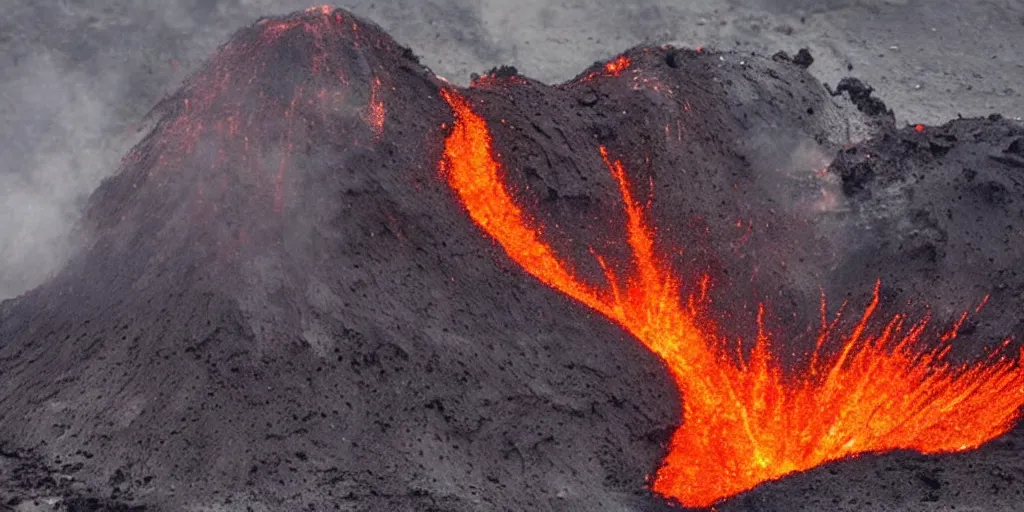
[[279, 304]]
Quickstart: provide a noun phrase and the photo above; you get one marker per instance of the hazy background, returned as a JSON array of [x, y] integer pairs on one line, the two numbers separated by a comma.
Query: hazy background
[[78, 76]]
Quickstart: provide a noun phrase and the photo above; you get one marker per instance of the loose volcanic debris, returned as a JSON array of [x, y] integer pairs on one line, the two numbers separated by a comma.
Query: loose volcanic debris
[[802, 58], [861, 96], [284, 303]]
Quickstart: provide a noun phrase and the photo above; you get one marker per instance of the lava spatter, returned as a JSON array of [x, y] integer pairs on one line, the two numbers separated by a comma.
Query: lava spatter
[[612, 68], [616, 66], [875, 388]]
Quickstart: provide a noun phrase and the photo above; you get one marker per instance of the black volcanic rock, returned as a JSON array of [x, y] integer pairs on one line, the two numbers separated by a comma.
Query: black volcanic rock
[[861, 95], [282, 306], [803, 58]]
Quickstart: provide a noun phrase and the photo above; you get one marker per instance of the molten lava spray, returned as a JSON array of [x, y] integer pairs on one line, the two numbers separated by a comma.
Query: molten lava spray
[[744, 421]]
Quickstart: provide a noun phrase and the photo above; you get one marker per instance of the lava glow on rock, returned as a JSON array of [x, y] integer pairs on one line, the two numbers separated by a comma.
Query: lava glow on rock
[[745, 421]]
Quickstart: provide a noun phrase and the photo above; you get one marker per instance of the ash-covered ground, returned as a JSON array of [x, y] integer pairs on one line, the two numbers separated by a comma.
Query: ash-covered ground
[[277, 303]]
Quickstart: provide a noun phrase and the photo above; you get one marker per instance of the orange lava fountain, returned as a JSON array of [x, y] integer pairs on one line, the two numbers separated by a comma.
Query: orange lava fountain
[[744, 421]]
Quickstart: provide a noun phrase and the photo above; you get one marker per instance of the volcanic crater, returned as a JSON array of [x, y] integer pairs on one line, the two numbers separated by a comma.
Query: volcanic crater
[[330, 280]]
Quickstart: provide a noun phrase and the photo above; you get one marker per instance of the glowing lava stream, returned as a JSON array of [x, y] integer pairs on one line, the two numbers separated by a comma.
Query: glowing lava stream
[[744, 422]]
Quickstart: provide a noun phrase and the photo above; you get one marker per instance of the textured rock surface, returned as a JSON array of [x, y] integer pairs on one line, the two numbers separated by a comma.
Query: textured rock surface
[[277, 305]]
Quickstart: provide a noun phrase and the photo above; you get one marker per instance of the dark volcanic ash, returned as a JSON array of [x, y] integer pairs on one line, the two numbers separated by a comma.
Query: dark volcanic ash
[[283, 305]]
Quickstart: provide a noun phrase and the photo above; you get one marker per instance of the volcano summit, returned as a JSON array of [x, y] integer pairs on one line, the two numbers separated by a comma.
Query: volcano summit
[[329, 280]]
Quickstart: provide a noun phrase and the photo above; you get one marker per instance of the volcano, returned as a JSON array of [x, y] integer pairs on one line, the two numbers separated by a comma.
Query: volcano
[[330, 280]]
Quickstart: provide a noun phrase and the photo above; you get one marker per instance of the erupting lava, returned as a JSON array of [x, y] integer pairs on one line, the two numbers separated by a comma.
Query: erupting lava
[[617, 66], [744, 420]]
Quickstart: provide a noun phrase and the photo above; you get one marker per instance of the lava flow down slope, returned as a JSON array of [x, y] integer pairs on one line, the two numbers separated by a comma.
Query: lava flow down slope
[[329, 280]]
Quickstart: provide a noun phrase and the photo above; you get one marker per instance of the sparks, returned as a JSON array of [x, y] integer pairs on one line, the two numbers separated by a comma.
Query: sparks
[[745, 421]]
